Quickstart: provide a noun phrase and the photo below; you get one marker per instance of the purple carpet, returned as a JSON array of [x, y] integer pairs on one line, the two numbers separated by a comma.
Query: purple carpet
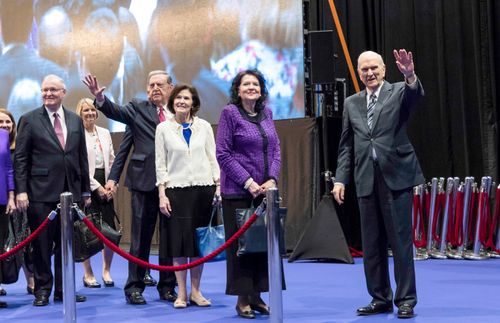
[[448, 291]]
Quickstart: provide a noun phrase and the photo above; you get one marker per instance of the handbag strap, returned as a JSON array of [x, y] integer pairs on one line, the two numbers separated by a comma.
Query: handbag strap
[[214, 211]]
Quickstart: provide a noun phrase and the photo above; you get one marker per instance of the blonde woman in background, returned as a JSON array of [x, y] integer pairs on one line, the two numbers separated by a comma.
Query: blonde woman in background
[[101, 156]]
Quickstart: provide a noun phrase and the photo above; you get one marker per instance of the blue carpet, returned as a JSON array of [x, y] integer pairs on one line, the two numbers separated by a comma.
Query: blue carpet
[[448, 291]]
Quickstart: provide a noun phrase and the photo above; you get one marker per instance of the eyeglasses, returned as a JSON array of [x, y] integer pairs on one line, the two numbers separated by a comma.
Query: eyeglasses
[[51, 90]]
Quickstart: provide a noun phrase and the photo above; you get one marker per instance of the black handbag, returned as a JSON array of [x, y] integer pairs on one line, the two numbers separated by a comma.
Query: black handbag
[[10, 266], [113, 235], [85, 242], [254, 240]]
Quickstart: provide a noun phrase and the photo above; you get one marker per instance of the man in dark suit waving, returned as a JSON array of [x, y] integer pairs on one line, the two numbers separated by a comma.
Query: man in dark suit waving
[[141, 117], [374, 139], [50, 158]]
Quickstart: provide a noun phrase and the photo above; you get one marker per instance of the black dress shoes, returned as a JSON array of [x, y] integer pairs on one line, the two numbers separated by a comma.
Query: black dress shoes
[[169, 296], [30, 290], [41, 300], [94, 284], [3, 292], [135, 298], [149, 280], [405, 311], [58, 297], [245, 314], [3, 305], [374, 308]]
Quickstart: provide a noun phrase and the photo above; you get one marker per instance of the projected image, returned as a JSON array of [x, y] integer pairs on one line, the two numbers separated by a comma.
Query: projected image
[[200, 42]]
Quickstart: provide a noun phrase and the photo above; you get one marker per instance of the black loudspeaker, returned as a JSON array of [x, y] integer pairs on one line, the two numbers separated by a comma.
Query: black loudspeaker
[[322, 57]]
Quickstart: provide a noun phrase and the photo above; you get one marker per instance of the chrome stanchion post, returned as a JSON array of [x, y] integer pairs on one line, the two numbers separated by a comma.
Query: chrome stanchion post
[[68, 265], [441, 253], [477, 252], [273, 255], [468, 191]]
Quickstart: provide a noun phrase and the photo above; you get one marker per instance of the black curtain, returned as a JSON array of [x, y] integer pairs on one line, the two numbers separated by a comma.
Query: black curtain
[[456, 48]]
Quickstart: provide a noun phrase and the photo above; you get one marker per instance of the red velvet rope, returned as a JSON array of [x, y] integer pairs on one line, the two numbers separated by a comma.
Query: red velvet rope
[[418, 213], [472, 217], [457, 234], [490, 243], [26, 241], [485, 217], [146, 264], [437, 212]]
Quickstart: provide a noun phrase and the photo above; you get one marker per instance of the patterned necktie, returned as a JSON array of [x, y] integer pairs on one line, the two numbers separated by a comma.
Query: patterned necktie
[[371, 107], [161, 115], [58, 129]]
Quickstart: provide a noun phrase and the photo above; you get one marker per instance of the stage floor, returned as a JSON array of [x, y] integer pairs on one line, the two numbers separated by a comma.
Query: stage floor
[[448, 291]]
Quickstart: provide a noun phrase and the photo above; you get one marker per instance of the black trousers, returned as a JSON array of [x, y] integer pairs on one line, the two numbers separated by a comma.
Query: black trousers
[[145, 208], [386, 218], [48, 242]]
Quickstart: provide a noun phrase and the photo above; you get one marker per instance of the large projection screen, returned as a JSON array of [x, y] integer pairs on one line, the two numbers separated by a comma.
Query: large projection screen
[[200, 42]]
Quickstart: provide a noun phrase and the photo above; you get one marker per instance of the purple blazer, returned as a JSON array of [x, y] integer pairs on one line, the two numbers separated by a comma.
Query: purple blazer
[[6, 170], [246, 147]]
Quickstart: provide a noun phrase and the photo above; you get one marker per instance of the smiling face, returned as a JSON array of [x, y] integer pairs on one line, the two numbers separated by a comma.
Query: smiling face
[[183, 102], [249, 89], [6, 123], [371, 70], [53, 92], [159, 89], [88, 115]]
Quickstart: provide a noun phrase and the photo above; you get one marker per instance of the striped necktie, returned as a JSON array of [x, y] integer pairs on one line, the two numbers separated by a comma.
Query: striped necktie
[[370, 108]]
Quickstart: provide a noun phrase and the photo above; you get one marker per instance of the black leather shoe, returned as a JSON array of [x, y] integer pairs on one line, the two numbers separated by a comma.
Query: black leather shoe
[[169, 296], [30, 290], [91, 285], [245, 314], [135, 298], [41, 300], [3, 292], [108, 283], [3, 305], [261, 308], [58, 297], [374, 308], [405, 311], [150, 281]]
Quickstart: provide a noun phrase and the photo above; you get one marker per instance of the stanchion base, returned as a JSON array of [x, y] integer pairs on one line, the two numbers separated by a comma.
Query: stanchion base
[[421, 254], [436, 254], [473, 256], [494, 254], [454, 254]]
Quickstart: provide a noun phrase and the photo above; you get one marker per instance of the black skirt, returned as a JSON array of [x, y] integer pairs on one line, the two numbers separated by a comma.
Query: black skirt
[[102, 206], [191, 208], [246, 274]]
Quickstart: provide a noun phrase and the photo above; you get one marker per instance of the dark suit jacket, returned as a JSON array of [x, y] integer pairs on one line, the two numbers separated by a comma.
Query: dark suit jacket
[[42, 166], [395, 153], [142, 119], [121, 158]]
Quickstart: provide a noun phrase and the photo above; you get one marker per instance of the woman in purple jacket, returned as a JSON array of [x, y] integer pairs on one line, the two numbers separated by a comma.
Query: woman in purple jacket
[[248, 152], [7, 205]]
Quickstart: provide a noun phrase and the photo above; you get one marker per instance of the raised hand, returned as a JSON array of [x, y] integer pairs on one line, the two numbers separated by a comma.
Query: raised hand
[[404, 61], [91, 82]]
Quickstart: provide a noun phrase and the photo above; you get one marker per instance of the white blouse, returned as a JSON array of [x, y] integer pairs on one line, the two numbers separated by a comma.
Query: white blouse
[[180, 165]]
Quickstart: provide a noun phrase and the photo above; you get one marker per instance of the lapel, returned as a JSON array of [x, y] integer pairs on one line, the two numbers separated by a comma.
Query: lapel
[[361, 104], [153, 112], [384, 94], [45, 121], [69, 126]]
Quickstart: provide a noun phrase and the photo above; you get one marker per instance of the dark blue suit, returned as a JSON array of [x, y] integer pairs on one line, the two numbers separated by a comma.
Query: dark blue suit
[[44, 170], [384, 186], [141, 118]]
